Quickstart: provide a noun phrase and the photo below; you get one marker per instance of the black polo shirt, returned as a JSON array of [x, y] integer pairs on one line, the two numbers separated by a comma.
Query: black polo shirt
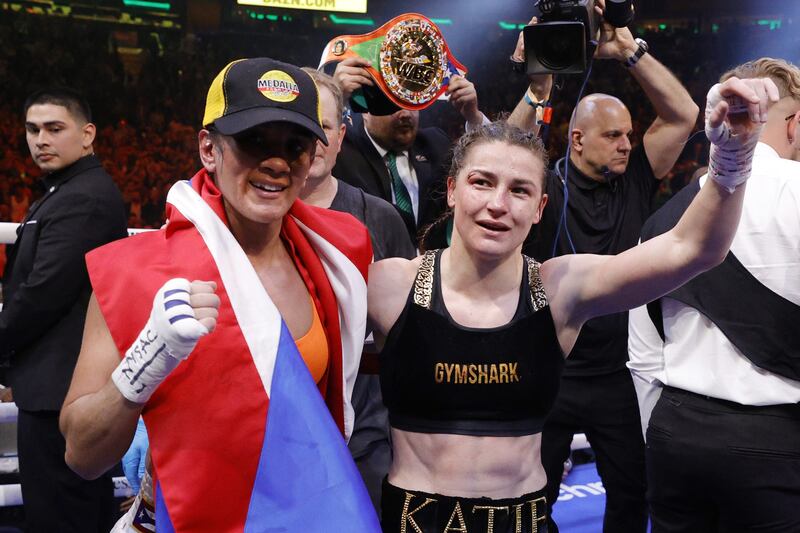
[[602, 218]]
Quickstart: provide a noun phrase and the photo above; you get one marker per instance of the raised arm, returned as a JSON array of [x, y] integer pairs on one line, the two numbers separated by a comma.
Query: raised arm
[[676, 111], [464, 99], [530, 107], [107, 395], [583, 286]]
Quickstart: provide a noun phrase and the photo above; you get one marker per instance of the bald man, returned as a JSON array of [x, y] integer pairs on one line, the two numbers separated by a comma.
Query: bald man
[[610, 188]]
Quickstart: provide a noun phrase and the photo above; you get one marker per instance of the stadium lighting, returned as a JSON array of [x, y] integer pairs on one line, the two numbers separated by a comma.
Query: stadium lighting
[[354, 22], [146, 3]]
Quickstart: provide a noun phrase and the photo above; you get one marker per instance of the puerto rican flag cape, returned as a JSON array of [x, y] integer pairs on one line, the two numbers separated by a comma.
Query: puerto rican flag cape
[[242, 439]]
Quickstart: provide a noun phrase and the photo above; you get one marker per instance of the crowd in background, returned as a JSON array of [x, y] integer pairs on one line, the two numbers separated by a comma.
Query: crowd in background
[[145, 105]]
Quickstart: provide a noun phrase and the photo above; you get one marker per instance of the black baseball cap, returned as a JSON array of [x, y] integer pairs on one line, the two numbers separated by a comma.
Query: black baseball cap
[[250, 92]]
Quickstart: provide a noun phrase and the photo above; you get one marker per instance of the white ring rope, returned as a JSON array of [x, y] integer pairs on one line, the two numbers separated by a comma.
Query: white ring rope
[[8, 232]]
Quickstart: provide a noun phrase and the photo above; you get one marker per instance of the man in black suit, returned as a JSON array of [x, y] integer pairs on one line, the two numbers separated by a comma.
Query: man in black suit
[[46, 292], [390, 157]]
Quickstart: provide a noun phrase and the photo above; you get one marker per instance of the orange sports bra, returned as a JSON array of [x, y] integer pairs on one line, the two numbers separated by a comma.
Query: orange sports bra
[[313, 346]]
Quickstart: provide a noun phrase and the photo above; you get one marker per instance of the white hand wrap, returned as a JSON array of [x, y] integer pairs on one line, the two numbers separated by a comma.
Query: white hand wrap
[[169, 336], [731, 157]]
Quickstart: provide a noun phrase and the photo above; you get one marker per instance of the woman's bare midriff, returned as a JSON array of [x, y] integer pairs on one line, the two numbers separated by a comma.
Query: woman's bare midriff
[[467, 466]]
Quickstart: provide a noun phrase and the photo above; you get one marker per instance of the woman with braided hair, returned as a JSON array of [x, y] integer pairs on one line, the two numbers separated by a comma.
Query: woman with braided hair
[[476, 334]]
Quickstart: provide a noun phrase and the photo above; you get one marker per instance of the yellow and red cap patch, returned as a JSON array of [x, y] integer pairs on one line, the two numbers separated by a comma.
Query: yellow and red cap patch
[[278, 86]]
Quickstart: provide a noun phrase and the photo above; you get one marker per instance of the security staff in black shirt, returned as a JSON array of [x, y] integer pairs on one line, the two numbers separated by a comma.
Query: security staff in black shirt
[[610, 186], [46, 292]]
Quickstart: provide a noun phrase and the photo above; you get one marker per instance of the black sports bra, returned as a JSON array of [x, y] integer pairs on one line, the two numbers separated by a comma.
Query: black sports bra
[[440, 377]]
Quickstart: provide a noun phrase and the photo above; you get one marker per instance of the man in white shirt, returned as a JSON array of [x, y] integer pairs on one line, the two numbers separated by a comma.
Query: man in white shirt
[[723, 440]]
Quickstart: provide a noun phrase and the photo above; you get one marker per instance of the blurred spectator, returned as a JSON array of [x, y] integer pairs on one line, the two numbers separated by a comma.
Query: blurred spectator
[[147, 108], [20, 201]]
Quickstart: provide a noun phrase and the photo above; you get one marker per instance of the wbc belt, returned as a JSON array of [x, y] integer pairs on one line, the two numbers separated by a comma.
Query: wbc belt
[[411, 62]]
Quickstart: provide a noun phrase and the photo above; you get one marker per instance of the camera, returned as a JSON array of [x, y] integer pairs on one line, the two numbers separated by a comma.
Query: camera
[[566, 34]]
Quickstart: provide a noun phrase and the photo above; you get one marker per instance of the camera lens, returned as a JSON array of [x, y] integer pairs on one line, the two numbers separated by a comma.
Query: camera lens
[[558, 50]]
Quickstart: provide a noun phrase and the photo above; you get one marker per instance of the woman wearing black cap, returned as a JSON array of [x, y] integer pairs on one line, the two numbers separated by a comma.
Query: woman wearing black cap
[[475, 335], [208, 363]]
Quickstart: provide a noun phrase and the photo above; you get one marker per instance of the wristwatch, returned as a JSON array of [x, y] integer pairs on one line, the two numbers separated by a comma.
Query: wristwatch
[[642, 50]]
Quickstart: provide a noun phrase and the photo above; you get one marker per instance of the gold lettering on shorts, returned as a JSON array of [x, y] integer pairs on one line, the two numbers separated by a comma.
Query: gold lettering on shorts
[[457, 513], [475, 374], [518, 517], [535, 516], [407, 517], [490, 520]]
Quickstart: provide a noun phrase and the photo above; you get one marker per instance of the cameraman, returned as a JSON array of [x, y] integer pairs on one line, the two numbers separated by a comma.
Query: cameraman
[[610, 186]]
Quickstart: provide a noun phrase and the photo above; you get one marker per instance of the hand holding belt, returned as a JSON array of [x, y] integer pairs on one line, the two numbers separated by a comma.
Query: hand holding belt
[[411, 62]]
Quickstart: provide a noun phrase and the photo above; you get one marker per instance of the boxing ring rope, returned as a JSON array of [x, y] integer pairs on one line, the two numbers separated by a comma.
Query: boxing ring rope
[[12, 495], [8, 232]]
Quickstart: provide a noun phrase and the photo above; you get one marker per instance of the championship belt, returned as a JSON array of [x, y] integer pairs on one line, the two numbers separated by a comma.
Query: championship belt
[[411, 63]]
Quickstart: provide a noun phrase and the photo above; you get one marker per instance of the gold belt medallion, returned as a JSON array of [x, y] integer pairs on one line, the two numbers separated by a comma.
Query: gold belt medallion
[[413, 61]]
